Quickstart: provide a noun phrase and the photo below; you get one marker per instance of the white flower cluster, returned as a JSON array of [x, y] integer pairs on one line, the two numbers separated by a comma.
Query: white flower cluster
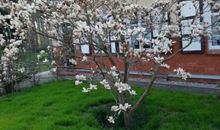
[[182, 74], [22, 70], [42, 56], [9, 59], [197, 30], [53, 62], [159, 59], [117, 109], [84, 59], [79, 79], [111, 119], [91, 87], [105, 84], [74, 62], [162, 45], [120, 108], [122, 87], [113, 72]]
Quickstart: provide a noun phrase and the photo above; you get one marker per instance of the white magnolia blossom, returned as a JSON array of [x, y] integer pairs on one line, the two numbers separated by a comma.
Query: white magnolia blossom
[[165, 65], [39, 56], [45, 61], [74, 62], [91, 87], [85, 90], [42, 52], [80, 77], [120, 108], [53, 62], [113, 72], [77, 82], [105, 84], [122, 87], [54, 69], [132, 92], [84, 59], [111, 119], [182, 74], [22, 70], [48, 47], [159, 59]]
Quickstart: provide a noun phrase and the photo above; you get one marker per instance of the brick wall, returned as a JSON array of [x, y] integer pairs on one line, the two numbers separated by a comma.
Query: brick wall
[[202, 63]]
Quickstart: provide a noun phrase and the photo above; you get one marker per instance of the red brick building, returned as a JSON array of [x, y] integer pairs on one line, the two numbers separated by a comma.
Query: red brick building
[[201, 58]]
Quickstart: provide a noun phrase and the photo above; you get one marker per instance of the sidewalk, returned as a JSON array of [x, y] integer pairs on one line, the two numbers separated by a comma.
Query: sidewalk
[[181, 86], [47, 76]]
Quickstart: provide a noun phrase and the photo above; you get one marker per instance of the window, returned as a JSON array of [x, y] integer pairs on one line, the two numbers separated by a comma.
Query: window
[[85, 48], [155, 30], [115, 47], [115, 44], [194, 46], [215, 37], [188, 12], [134, 41], [137, 44], [211, 17]]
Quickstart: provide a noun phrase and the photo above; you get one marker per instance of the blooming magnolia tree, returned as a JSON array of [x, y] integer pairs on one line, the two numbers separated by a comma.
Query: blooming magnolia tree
[[12, 33], [96, 23]]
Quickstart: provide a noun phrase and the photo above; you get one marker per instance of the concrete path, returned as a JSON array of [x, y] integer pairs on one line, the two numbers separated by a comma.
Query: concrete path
[[181, 86], [47, 76]]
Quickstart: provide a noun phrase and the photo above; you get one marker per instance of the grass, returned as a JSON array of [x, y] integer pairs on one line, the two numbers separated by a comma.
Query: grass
[[60, 105]]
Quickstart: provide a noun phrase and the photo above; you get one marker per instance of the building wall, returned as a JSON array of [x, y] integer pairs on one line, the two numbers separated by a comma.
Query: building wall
[[204, 63]]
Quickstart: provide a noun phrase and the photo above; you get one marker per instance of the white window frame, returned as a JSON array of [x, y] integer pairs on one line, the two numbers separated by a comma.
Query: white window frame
[[208, 19], [211, 46], [189, 13]]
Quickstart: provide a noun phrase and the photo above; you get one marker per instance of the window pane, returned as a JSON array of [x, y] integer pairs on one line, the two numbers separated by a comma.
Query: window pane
[[185, 26], [215, 30], [194, 46], [189, 9], [136, 44], [85, 49], [207, 13], [113, 47], [215, 40]]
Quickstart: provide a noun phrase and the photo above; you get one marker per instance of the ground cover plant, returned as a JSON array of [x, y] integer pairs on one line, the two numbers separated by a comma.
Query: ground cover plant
[[60, 105]]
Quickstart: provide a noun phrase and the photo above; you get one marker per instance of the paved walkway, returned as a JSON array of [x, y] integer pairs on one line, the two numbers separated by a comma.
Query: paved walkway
[[182, 86], [174, 85]]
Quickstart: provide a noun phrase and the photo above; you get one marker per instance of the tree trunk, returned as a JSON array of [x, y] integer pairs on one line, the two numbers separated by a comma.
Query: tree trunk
[[9, 88], [127, 115]]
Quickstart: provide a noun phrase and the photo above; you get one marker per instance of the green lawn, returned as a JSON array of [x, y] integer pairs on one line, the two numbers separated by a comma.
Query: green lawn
[[60, 105]]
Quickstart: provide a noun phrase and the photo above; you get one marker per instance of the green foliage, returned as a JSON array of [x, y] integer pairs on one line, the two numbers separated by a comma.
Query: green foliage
[[60, 105], [30, 60]]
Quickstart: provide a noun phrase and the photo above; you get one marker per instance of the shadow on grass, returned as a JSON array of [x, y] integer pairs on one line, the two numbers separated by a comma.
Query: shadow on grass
[[102, 110]]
